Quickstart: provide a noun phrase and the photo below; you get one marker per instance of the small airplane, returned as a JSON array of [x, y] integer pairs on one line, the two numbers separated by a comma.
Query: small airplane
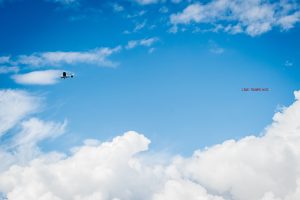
[[66, 75]]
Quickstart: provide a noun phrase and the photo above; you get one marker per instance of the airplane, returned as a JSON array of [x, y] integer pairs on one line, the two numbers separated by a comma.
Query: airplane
[[66, 75]]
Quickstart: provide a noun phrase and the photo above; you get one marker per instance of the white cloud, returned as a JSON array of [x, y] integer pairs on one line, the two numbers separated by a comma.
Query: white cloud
[[35, 130], [163, 9], [4, 59], [151, 50], [66, 2], [194, 12], [97, 57], [148, 42], [117, 7], [253, 17], [184, 189], [21, 145], [9, 69], [143, 42], [139, 26], [137, 14], [132, 44], [45, 77], [262, 168], [176, 1], [288, 21], [101, 168], [215, 48], [15, 105], [146, 2]]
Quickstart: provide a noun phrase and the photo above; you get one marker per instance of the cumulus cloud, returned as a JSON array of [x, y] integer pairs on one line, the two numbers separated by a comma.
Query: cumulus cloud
[[253, 17], [45, 77], [143, 42], [255, 167], [96, 57], [64, 179]]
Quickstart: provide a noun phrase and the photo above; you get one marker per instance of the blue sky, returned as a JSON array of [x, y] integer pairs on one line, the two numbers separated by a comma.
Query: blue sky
[[178, 83]]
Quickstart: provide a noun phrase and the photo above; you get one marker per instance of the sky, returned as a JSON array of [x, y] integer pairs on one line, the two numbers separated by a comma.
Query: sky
[[159, 93]]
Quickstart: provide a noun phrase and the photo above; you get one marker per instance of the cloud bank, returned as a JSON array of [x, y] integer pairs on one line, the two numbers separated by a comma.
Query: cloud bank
[[253, 17], [264, 168]]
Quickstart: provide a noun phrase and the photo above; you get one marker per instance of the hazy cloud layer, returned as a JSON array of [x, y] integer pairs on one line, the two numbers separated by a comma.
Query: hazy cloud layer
[[265, 168], [252, 17]]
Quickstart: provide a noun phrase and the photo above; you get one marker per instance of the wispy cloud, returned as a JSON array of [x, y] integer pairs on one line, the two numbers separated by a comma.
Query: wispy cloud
[[151, 50], [21, 147], [69, 3], [252, 17], [35, 130], [9, 69], [215, 48], [97, 57], [289, 21], [15, 105], [139, 26], [146, 2], [137, 14], [163, 9], [4, 59], [117, 7], [45, 77], [176, 1], [143, 42], [288, 63]]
